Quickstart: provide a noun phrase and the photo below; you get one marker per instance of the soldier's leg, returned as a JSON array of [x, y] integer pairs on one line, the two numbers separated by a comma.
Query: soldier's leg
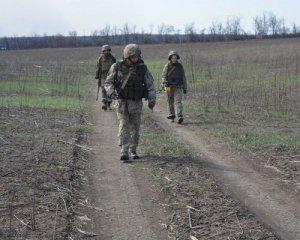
[[109, 100], [135, 123], [124, 131], [170, 103], [104, 98], [178, 95]]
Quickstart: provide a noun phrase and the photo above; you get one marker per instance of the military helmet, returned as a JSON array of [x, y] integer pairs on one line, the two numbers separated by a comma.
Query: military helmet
[[171, 53], [130, 50], [106, 48]]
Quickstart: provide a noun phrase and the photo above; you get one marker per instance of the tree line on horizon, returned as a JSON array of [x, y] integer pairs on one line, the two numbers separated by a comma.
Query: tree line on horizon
[[267, 25]]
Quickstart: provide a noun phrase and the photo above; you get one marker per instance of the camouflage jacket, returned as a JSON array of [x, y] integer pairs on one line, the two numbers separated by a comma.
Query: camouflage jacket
[[115, 77], [171, 69], [103, 66]]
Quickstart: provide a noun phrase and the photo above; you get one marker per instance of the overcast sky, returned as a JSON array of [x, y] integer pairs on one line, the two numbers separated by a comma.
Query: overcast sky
[[28, 17]]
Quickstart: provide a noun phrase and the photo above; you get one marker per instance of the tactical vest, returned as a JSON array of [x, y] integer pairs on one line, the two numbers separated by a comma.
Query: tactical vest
[[135, 87], [175, 74], [106, 64]]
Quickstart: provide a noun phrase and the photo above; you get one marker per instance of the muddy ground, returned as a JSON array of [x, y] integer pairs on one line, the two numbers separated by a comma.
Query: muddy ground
[[196, 204], [40, 173]]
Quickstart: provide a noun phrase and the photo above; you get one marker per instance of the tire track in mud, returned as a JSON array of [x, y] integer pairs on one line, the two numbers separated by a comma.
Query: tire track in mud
[[273, 205]]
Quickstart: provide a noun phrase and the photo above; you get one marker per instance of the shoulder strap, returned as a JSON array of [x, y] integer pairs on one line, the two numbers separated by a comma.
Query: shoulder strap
[[126, 80], [172, 70]]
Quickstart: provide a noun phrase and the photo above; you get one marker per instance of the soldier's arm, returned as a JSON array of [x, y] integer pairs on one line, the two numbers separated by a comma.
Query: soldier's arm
[[184, 80], [150, 86], [109, 84], [99, 68], [164, 75]]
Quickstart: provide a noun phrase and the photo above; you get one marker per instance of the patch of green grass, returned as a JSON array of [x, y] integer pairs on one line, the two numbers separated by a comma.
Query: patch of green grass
[[238, 76], [284, 116], [51, 102], [191, 107], [156, 67], [156, 141], [79, 128], [41, 88], [257, 138]]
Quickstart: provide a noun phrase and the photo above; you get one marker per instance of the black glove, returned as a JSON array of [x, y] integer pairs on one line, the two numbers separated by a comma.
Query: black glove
[[151, 104], [184, 91]]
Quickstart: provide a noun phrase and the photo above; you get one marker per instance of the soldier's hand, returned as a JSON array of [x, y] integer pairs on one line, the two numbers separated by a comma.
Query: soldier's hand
[[184, 91], [151, 105], [114, 95]]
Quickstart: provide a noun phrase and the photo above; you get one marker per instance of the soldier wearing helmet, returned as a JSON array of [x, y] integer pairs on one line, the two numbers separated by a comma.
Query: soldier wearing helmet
[[129, 81], [104, 63], [175, 85]]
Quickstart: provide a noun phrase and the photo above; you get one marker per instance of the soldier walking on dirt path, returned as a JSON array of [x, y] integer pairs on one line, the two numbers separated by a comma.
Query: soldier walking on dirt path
[[175, 85], [104, 63], [129, 81]]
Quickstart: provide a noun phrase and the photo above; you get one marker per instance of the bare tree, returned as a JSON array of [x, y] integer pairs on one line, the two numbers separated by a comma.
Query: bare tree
[[161, 31], [73, 38], [106, 32], [295, 29], [216, 28], [233, 27], [168, 31], [95, 37], [126, 33], [261, 25], [190, 31], [284, 30], [274, 24]]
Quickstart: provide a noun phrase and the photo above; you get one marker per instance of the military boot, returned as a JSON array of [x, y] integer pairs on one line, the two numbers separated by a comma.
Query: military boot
[[180, 120], [134, 155], [124, 157], [109, 106], [171, 117], [104, 106], [124, 154]]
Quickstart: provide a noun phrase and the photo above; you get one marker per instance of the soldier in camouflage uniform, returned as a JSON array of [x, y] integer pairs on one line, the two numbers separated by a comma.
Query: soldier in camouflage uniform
[[173, 77], [104, 63], [129, 81]]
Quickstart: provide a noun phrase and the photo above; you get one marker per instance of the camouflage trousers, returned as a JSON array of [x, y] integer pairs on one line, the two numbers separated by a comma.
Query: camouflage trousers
[[174, 99], [105, 98], [129, 116]]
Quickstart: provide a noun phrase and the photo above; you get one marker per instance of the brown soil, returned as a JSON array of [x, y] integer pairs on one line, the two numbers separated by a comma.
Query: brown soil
[[258, 189], [121, 197], [52, 188], [39, 173], [181, 197]]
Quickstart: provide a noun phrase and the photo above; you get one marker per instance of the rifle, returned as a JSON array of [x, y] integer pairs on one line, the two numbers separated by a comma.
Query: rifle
[[97, 92], [98, 76]]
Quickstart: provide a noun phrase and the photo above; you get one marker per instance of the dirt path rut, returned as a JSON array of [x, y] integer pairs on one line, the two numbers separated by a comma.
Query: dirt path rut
[[125, 205], [277, 207], [117, 190]]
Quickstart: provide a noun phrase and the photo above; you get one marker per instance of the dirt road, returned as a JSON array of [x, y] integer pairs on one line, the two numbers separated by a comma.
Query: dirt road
[[122, 197], [126, 205], [275, 206]]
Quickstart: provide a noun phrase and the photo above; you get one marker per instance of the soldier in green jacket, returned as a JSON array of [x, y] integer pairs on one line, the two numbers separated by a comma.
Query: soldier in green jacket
[[175, 85], [104, 63], [129, 81]]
